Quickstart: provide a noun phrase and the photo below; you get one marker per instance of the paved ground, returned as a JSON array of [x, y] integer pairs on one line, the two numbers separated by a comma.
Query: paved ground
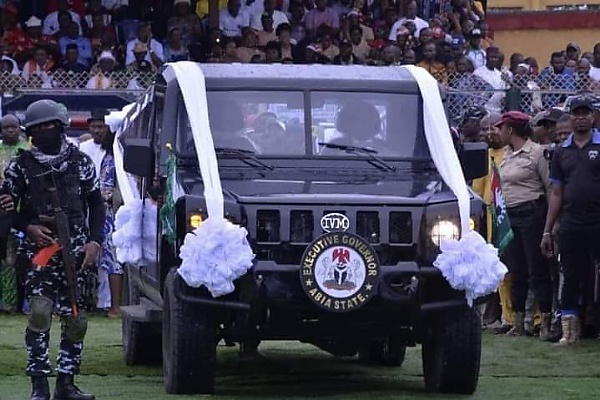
[[512, 369]]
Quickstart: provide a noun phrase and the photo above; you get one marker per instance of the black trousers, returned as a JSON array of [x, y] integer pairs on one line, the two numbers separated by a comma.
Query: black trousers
[[524, 258], [579, 253]]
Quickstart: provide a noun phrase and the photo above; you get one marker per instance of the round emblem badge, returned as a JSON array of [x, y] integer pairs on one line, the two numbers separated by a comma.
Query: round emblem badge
[[339, 271]]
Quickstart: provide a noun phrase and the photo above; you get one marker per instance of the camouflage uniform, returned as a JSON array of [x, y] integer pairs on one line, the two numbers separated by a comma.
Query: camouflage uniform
[[31, 178], [50, 282]]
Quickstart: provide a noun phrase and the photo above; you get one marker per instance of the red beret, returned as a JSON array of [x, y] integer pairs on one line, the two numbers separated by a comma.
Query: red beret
[[516, 117]]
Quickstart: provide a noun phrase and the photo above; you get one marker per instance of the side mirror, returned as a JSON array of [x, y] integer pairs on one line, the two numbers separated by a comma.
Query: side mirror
[[474, 160], [138, 157]]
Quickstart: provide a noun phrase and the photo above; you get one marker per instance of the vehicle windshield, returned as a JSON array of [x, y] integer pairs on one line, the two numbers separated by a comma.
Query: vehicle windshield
[[273, 123]]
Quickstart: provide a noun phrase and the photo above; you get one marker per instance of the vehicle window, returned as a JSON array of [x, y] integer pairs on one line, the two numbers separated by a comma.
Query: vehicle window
[[386, 122], [266, 122]]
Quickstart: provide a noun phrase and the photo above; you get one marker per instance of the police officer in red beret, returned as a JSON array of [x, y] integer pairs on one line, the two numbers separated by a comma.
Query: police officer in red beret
[[525, 184]]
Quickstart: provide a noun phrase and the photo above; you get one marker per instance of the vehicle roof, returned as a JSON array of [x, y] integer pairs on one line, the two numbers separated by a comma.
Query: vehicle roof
[[308, 77]]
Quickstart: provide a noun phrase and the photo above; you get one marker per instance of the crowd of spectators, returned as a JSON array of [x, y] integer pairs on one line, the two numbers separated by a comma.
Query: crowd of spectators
[[112, 42]]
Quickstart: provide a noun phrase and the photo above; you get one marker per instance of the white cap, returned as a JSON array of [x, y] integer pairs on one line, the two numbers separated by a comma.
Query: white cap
[[33, 21], [189, 2], [106, 55]]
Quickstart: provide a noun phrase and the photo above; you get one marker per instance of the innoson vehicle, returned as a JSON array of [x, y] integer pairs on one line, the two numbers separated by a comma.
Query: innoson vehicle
[[329, 171]]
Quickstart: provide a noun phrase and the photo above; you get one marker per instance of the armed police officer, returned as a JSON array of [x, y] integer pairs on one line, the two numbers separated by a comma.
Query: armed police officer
[[55, 186]]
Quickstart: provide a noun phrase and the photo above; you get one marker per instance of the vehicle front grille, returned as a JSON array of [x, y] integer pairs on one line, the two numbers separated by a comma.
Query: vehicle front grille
[[367, 225], [268, 226], [281, 233], [302, 226], [401, 227]]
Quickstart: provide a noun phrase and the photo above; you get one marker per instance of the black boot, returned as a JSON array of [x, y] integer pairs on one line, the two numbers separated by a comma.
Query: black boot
[[66, 389], [39, 388]]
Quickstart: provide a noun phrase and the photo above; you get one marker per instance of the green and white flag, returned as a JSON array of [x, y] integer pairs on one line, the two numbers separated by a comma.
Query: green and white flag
[[173, 192], [502, 233]]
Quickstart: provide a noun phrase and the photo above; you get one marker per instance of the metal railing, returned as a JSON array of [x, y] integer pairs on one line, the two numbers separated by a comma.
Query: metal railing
[[463, 91], [523, 93], [94, 80]]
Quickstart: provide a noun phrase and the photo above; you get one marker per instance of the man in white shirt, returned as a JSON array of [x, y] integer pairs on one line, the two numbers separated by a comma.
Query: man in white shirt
[[51, 25], [233, 18], [269, 7], [110, 272], [475, 53], [491, 73], [155, 55], [410, 15]]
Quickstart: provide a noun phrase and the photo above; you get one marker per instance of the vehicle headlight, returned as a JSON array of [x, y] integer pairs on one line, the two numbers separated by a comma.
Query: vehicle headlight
[[472, 224], [195, 220], [444, 230]]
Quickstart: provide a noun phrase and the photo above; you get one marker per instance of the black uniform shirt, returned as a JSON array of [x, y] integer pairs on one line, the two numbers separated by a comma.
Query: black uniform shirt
[[578, 171]]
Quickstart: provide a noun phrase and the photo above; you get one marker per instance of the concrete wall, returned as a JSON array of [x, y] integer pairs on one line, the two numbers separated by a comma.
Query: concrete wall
[[541, 43], [538, 34], [535, 5]]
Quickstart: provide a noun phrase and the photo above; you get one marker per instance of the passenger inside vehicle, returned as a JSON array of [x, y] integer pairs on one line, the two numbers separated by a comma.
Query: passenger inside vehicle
[[357, 123], [228, 126]]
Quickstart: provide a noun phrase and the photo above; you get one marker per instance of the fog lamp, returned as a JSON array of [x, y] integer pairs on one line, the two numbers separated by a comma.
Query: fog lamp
[[195, 220]]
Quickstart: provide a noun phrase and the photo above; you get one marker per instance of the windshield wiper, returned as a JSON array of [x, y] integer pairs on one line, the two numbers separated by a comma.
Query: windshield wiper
[[370, 153], [245, 156]]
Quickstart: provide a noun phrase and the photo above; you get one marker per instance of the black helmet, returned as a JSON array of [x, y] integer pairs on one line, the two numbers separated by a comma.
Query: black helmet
[[43, 111]]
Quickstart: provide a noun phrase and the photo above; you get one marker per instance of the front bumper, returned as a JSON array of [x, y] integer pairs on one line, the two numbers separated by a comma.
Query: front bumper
[[402, 286]]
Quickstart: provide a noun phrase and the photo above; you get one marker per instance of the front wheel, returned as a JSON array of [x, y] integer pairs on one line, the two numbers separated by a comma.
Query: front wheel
[[452, 351], [189, 344]]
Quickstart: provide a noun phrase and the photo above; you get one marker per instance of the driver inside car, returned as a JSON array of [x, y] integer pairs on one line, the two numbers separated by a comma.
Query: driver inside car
[[228, 126], [358, 123]]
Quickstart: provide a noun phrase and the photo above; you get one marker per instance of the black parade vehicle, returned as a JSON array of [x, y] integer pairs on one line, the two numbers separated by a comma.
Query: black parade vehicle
[[329, 171]]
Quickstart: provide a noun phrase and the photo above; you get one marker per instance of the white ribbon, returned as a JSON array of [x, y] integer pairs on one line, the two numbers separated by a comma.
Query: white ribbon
[[118, 122], [217, 252], [134, 237], [468, 264], [441, 147], [193, 89]]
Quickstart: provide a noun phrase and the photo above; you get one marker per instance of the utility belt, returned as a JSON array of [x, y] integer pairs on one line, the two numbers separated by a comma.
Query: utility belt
[[528, 206]]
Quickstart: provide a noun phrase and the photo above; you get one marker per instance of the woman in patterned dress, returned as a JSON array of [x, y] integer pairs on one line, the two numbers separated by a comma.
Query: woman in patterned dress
[[108, 260]]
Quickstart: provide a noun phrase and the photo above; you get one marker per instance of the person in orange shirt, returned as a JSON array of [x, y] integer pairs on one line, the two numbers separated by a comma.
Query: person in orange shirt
[[435, 68]]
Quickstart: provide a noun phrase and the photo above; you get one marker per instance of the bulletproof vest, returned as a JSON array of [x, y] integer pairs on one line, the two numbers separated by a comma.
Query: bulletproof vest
[[42, 177]]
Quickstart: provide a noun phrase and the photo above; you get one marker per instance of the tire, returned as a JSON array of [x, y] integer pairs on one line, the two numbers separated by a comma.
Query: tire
[[141, 343], [452, 352], [388, 353], [189, 345]]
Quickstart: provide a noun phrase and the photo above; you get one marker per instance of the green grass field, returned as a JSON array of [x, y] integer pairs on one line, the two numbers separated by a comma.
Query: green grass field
[[512, 369]]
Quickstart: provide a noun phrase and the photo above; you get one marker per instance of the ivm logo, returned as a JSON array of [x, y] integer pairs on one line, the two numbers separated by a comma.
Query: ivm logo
[[335, 222]]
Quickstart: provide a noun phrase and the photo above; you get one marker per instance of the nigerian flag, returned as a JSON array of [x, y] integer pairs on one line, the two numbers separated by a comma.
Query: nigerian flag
[[502, 233], [173, 191]]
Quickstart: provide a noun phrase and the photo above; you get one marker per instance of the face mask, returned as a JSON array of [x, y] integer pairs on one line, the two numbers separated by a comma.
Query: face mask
[[48, 140]]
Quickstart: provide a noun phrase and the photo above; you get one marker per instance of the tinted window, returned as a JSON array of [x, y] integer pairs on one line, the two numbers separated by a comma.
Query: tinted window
[[385, 122], [269, 123]]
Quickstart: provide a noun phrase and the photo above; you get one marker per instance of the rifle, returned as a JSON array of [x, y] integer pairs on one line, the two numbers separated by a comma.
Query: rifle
[[64, 238]]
